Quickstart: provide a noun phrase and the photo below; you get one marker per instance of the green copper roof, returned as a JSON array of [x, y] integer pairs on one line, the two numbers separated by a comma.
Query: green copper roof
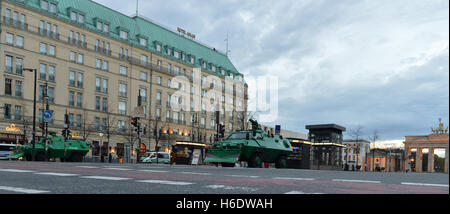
[[139, 26]]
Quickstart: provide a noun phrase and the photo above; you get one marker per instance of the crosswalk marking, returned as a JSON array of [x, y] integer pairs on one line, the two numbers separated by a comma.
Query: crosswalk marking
[[165, 182], [195, 173], [56, 174], [88, 167], [149, 170], [358, 181], [231, 187], [422, 184], [106, 178], [243, 176], [300, 193], [22, 190], [297, 179], [120, 169], [15, 170]]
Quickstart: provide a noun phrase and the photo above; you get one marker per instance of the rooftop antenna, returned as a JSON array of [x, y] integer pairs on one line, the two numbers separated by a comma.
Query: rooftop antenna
[[227, 45], [137, 7]]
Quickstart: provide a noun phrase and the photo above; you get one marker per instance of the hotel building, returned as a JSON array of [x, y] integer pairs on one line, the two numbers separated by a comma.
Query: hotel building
[[93, 62]]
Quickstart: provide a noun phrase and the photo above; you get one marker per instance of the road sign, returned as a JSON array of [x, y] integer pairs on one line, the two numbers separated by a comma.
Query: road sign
[[48, 115]]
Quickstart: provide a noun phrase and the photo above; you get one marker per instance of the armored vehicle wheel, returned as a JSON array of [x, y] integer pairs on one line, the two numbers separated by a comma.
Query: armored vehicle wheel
[[62, 159], [281, 162], [28, 158], [255, 161], [228, 164], [76, 157], [40, 156]]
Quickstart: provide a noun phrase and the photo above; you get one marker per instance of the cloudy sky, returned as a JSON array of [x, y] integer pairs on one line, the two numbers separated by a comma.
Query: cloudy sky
[[382, 65]]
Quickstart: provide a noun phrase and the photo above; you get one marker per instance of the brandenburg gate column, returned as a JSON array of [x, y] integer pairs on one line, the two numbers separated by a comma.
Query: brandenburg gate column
[[419, 159], [407, 154], [446, 160], [430, 167]]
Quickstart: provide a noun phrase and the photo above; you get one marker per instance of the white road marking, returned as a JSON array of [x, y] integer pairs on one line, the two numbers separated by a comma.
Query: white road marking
[[22, 190], [121, 169], [56, 174], [243, 176], [297, 179], [299, 193], [148, 170], [88, 167], [165, 182], [231, 187], [106, 178], [15, 170], [422, 184], [195, 173], [357, 181]]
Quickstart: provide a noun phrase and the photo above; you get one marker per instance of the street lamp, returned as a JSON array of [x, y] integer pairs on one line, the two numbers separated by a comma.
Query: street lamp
[[101, 145], [34, 111]]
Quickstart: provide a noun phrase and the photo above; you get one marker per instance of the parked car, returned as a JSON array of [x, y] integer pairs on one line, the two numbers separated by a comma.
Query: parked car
[[163, 157]]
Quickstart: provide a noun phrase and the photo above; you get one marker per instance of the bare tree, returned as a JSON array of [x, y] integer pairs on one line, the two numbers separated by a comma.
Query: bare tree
[[374, 138], [356, 135]]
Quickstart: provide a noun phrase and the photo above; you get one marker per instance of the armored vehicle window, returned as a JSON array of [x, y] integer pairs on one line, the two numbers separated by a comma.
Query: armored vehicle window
[[237, 136]]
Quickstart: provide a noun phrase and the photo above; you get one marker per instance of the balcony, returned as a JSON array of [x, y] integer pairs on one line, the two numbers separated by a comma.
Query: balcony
[[77, 43], [15, 23], [103, 51]]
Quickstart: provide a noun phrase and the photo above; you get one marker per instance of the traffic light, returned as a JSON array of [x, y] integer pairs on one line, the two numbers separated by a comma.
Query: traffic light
[[42, 126], [134, 121], [222, 130], [66, 121]]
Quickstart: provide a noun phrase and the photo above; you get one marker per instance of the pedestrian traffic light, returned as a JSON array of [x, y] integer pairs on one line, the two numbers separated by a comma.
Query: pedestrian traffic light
[[222, 130], [134, 121], [42, 126]]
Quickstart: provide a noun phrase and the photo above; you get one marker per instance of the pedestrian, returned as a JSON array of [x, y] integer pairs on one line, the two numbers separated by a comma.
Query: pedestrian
[[173, 157], [109, 158]]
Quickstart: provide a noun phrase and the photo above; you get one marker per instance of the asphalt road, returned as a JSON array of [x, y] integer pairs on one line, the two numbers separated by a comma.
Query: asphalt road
[[88, 178]]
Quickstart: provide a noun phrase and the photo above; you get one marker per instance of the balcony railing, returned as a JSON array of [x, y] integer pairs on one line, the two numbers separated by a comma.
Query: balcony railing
[[15, 23], [103, 51]]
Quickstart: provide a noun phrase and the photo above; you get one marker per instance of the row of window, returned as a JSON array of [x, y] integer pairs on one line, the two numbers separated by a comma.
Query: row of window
[[104, 27]]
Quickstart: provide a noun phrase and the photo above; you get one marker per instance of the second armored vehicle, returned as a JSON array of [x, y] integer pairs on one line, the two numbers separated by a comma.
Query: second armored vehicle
[[253, 146]]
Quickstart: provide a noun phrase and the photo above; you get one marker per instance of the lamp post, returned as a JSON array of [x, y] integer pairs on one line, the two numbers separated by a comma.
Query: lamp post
[[101, 145], [34, 111]]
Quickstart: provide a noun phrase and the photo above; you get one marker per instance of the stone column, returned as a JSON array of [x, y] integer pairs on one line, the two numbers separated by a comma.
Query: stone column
[[446, 160], [406, 162], [418, 159], [431, 160]]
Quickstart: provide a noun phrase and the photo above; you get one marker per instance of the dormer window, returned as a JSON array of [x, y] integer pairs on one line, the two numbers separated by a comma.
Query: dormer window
[[158, 47], [53, 8], [176, 54], [204, 64], [48, 6], [80, 18], [123, 34], [99, 25], [76, 16], [213, 68], [183, 57], [106, 28], [143, 42], [169, 51], [44, 5], [192, 59], [73, 16], [223, 72]]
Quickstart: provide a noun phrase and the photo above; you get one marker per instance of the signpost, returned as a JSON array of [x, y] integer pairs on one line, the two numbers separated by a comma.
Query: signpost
[[48, 115]]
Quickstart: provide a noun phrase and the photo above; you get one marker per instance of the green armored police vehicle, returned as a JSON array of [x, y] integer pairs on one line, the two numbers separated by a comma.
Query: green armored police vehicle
[[253, 146], [70, 150]]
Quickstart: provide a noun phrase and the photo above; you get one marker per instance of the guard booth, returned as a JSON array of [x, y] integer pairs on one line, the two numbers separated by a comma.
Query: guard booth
[[187, 153], [300, 158]]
